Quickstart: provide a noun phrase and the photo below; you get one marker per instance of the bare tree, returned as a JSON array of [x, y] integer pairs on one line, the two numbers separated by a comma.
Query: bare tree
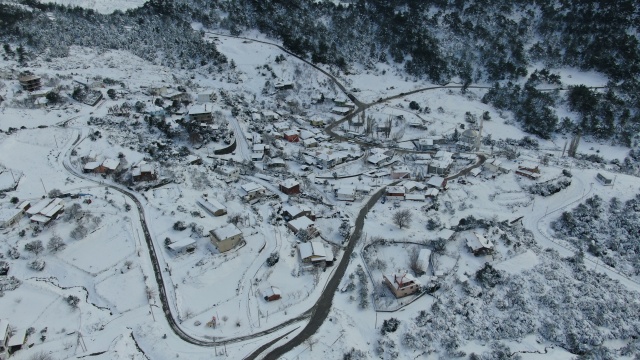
[[402, 218], [35, 247], [56, 244]]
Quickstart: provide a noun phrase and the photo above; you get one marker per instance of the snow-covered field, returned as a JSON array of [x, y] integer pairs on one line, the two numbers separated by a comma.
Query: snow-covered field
[[107, 264]]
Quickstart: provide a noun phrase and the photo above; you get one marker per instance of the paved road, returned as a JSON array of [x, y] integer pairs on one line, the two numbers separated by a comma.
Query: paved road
[[324, 303]]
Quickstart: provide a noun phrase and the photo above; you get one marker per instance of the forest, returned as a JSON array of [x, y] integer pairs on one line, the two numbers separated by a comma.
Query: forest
[[440, 41]]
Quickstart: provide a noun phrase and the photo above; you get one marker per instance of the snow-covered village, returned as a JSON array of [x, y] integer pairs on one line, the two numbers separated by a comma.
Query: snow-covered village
[[242, 198]]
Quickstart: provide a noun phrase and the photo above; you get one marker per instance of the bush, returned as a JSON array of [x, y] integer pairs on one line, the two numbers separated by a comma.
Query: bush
[[389, 326], [273, 259], [37, 264], [73, 301], [35, 247], [179, 226]]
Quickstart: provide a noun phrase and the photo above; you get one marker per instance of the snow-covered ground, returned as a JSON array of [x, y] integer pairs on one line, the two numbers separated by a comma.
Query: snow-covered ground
[[107, 265]]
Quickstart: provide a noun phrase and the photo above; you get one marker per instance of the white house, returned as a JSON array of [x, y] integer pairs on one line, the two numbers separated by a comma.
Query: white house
[[302, 223], [437, 182], [212, 206], [226, 238], [402, 285], [252, 190], [315, 252], [346, 193], [9, 217], [395, 192], [478, 244]]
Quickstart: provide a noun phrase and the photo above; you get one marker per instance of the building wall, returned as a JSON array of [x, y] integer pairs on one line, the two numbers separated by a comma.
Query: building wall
[[402, 292], [227, 244]]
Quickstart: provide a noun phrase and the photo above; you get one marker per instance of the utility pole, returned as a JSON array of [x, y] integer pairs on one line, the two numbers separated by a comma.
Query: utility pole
[[45, 189]]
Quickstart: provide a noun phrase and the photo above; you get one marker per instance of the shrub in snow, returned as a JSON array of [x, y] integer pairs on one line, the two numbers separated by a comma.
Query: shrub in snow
[[4, 268], [389, 326], [37, 264], [355, 354], [73, 301], [488, 276], [550, 187], [13, 253], [35, 247], [56, 244], [273, 259], [8, 283], [179, 226], [388, 347], [79, 233]]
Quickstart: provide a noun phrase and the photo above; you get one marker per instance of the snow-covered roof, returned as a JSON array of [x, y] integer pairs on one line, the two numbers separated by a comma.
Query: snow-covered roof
[[40, 219], [23, 205], [271, 290], [346, 190], [4, 329], [436, 181], [292, 210], [309, 141], [377, 158], [92, 165], [475, 171], [211, 204], [432, 192], [396, 190], [445, 234], [181, 244], [306, 134], [290, 182], [405, 279], [18, 338], [200, 109], [290, 133], [8, 214], [111, 164], [50, 211], [281, 126], [269, 113], [226, 232], [252, 187], [301, 223], [476, 241], [423, 258], [411, 185], [414, 197], [38, 207], [314, 250], [259, 147], [191, 158]]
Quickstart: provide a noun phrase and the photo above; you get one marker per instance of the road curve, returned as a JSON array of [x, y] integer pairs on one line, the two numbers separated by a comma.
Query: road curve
[[162, 292], [324, 303]]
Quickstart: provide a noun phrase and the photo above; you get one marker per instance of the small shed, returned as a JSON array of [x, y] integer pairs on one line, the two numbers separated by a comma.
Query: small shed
[[212, 206], [604, 180], [187, 245], [272, 293]]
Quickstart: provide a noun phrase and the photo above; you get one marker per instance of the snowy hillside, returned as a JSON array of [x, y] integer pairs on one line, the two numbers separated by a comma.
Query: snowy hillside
[[100, 6], [171, 190]]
